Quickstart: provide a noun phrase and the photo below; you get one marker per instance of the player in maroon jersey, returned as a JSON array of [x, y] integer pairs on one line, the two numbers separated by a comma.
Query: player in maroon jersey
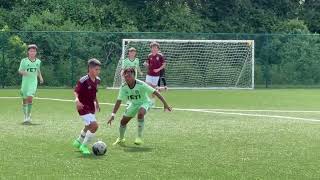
[[87, 104], [155, 62]]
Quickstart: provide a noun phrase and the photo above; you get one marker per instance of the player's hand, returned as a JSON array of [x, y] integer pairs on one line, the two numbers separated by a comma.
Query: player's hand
[[156, 70], [97, 107], [110, 120], [145, 64], [41, 80], [79, 104], [167, 108], [24, 73]]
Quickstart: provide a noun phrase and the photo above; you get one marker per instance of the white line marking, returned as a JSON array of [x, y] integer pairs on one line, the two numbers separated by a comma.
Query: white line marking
[[213, 111], [262, 110], [252, 115]]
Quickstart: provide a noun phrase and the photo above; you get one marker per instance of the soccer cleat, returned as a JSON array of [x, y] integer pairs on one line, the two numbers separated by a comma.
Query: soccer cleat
[[119, 141], [84, 149], [26, 120], [138, 141], [76, 144]]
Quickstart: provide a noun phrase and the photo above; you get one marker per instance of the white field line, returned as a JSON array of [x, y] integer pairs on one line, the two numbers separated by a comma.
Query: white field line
[[252, 115], [261, 110], [213, 111]]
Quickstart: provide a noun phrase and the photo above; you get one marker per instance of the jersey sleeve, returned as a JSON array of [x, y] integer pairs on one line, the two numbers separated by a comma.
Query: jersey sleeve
[[77, 89], [22, 66], [148, 89], [121, 95], [163, 59]]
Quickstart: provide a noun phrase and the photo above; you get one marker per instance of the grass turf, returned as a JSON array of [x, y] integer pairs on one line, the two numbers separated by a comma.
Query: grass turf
[[178, 145]]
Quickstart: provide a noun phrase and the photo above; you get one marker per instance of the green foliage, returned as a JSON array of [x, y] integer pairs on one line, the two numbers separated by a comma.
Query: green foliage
[[64, 54]]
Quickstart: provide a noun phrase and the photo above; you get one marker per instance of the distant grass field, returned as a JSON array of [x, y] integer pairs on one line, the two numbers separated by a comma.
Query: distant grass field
[[216, 134]]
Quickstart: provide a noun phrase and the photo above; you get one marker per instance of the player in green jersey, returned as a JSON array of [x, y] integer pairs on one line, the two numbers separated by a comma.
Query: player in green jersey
[[131, 62], [30, 71], [138, 93]]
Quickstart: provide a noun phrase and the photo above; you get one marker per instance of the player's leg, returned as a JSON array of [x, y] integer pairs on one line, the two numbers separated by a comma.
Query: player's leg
[[91, 127], [141, 114], [77, 143], [29, 107], [122, 129], [164, 83], [130, 112], [25, 110], [23, 94], [154, 82], [159, 83]]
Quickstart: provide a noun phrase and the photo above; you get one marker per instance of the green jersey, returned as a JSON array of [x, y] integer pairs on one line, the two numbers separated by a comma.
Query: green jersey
[[127, 63], [30, 81], [139, 94]]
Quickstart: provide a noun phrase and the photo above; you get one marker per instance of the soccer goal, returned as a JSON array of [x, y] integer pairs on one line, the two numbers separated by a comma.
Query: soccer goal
[[199, 64]]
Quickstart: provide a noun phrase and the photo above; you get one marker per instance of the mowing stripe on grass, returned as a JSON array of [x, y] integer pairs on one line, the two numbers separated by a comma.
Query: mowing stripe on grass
[[213, 111]]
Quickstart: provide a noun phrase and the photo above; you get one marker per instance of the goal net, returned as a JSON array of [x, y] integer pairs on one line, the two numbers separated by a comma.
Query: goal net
[[198, 64]]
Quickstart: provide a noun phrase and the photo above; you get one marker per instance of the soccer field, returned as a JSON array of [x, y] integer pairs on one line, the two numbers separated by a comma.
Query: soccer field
[[217, 134]]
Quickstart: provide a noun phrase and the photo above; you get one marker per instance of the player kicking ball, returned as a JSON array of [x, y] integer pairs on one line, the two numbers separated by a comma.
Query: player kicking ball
[[30, 70], [87, 104], [138, 93]]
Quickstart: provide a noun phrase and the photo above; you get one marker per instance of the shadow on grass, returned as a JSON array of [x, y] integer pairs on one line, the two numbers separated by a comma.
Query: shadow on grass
[[92, 156], [127, 148], [30, 124]]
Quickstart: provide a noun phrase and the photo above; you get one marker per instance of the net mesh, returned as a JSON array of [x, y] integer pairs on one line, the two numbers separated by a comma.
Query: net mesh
[[198, 63]]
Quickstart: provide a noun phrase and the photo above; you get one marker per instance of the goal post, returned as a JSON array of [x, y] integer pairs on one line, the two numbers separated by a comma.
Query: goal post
[[198, 64]]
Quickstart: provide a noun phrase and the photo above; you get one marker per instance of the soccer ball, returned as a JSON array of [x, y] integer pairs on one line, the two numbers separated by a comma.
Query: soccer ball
[[99, 148]]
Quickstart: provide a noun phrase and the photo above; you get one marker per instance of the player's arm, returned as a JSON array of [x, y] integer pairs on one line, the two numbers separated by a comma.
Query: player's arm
[[76, 95], [146, 63], [114, 111], [162, 67], [22, 70], [97, 105], [40, 76], [139, 70], [164, 102]]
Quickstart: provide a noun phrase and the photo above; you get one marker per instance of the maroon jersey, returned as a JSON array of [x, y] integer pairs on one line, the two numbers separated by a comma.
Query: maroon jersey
[[155, 62], [87, 90]]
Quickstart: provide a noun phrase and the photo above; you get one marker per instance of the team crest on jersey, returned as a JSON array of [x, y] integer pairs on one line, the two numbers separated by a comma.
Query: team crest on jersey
[[157, 58], [137, 92], [89, 87]]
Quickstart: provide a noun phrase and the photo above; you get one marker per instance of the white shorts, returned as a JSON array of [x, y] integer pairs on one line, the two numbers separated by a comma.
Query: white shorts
[[88, 118], [152, 80]]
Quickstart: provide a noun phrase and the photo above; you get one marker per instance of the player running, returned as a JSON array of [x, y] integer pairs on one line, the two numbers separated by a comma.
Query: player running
[[30, 71], [87, 104], [138, 93]]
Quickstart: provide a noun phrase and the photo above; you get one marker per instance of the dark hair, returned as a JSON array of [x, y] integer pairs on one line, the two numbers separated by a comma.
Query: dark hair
[[129, 70], [93, 63]]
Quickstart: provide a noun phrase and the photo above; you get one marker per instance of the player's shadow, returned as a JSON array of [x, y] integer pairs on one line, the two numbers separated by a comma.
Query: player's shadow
[[136, 149], [30, 124], [91, 156]]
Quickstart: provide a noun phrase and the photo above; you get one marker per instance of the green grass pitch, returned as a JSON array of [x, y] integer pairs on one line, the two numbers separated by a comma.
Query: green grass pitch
[[228, 140]]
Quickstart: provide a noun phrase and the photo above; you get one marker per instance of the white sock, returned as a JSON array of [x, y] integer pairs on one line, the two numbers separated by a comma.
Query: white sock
[[88, 138], [82, 136]]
